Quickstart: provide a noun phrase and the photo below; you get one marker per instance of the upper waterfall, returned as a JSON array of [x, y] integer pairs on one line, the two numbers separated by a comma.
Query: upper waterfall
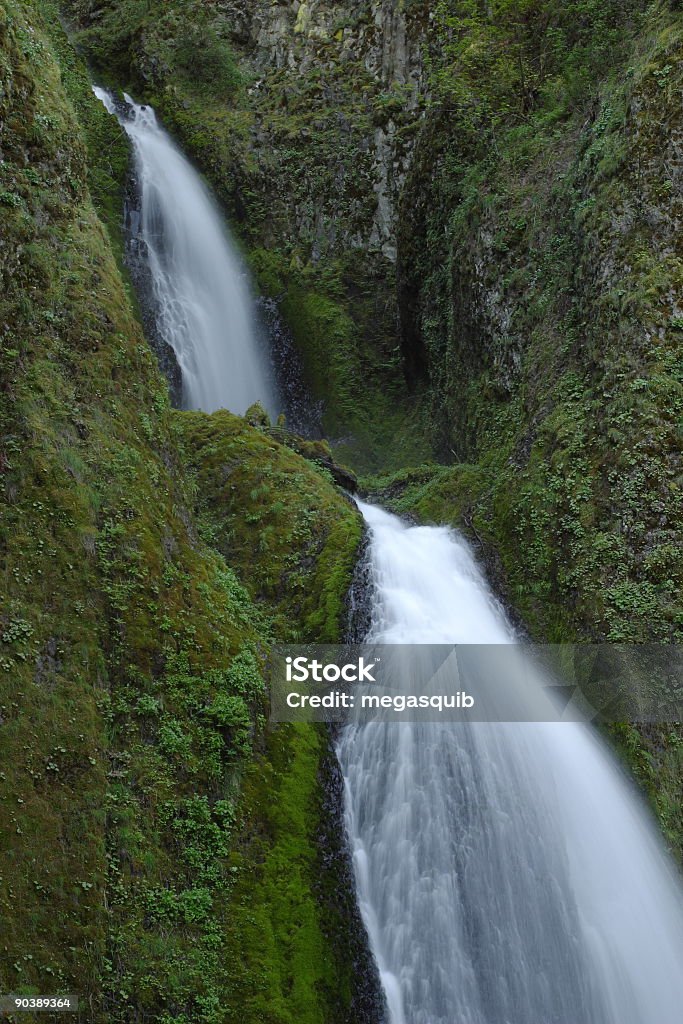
[[203, 306]]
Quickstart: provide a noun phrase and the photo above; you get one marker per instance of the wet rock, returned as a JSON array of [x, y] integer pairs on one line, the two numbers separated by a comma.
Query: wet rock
[[318, 451], [136, 259], [368, 1004]]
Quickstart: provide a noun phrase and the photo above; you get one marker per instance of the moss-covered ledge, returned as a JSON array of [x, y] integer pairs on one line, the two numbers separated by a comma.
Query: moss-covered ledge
[[279, 519], [296, 947]]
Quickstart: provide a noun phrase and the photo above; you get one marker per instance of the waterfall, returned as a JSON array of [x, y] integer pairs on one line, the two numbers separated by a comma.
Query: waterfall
[[506, 873], [203, 307]]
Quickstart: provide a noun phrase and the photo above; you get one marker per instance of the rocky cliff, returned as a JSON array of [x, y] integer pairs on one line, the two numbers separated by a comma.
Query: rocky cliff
[[304, 118], [540, 286]]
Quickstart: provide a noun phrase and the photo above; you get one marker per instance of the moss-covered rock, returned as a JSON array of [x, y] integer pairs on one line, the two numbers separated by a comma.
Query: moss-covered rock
[[543, 282], [293, 540], [295, 939], [131, 653]]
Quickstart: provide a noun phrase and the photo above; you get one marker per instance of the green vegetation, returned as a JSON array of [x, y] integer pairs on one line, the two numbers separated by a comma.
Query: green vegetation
[[131, 654], [295, 544], [513, 60], [340, 326], [282, 973], [556, 384], [106, 144], [538, 234]]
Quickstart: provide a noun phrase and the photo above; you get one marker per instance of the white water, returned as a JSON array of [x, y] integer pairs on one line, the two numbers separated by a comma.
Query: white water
[[507, 873], [204, 308]]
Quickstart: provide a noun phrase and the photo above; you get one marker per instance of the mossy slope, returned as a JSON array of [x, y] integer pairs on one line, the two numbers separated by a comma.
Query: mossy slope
[[131, 689], [296, 543]]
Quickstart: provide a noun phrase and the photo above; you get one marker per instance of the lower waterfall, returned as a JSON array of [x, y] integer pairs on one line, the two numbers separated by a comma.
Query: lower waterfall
[[506, 873]]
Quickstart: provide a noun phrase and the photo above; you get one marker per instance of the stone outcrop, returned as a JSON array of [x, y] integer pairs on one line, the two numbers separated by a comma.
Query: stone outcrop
[[378, 48]]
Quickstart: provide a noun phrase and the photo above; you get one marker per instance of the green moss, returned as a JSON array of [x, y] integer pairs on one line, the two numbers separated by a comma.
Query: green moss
[[654, 755], [342, 320], [283, 968], [307, 534], [119, 630], [107, 145], [541, 314], [279, 955], [131, 654]]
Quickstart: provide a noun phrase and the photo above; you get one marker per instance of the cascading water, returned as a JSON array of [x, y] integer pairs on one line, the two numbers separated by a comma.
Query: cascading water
[[506, 873], [203, 306]]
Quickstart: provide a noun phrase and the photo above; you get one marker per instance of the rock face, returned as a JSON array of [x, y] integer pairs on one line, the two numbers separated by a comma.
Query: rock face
[[545, 311], [368, 1002], [138, 267], [304, 116], [338, 87], [380, 43]]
